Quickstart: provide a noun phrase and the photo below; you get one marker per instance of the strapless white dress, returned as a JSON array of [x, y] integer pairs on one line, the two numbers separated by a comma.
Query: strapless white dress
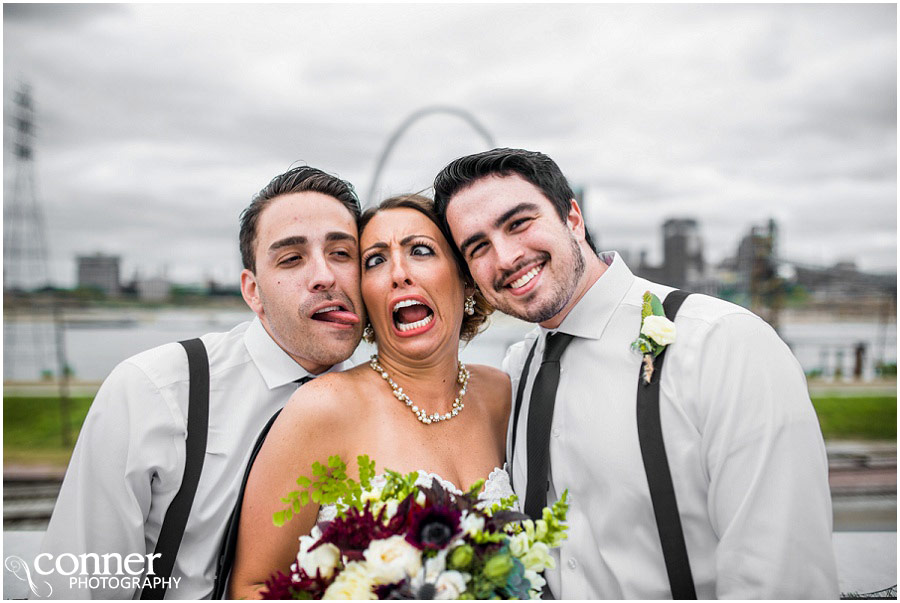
[[496, 487]]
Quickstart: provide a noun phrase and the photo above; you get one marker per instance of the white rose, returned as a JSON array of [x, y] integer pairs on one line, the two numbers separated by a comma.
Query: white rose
[[392, 559], [471, 523], [354, 582], [450, 585], [323, 559], [660, 329]]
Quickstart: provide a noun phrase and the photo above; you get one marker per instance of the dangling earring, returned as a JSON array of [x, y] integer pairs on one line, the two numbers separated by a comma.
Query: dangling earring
[[369, 334], [470, 305]]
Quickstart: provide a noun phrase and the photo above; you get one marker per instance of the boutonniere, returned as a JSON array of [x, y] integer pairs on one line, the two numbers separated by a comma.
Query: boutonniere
[[657, 332]]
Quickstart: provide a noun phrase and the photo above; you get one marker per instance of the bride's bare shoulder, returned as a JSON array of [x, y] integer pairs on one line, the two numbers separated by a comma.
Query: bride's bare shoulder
[[493, 384], [326, 401]]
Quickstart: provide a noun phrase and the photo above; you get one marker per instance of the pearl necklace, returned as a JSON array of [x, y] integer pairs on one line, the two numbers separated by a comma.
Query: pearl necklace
[[462, 379]]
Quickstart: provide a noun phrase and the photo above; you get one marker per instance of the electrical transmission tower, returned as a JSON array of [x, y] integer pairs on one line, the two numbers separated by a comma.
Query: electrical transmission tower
[[28, 332]]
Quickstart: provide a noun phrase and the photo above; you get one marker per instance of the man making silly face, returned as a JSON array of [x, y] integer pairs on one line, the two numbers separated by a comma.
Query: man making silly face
[[302, 278], [298, 242]]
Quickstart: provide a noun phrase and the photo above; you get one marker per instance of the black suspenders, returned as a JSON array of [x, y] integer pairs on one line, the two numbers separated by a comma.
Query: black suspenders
[[172, 529], [225, 559], [659, 478], [656, 464]]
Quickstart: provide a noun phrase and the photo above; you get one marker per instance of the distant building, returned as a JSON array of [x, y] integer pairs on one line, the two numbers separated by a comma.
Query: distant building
[[682, 252], [99, 271], [683, 265], [755, 261], [155, 289]]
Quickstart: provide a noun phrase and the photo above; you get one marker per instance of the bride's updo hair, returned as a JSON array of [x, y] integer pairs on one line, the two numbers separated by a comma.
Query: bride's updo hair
[[471, 325]]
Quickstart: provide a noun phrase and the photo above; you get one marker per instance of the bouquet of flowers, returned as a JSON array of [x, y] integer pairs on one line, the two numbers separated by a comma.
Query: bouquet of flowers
[[394, 539]]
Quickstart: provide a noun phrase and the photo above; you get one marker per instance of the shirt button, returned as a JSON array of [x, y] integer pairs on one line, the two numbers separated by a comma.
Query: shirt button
[[572, 563], [555, 432]]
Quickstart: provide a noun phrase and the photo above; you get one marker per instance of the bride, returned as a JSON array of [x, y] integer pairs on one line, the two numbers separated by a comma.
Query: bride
[[429, 414]]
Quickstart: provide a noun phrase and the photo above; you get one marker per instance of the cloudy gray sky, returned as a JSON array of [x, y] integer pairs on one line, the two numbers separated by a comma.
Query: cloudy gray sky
[[157, 123]]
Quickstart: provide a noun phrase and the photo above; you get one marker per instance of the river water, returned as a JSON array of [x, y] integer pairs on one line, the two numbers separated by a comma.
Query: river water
[[98, 340]]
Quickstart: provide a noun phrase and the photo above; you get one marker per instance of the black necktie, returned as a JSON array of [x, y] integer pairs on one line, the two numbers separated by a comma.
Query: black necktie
[[302, 380], [540, 417]]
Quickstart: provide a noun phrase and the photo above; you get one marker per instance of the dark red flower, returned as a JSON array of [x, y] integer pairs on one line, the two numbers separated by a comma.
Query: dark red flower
[[353, 532], [434, 527], [278, 587], [296, 586]]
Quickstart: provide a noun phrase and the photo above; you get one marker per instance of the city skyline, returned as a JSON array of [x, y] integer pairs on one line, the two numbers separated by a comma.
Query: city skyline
[[726, 114]]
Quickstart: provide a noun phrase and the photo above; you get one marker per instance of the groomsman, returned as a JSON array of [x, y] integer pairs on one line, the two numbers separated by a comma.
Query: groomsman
[[709, 479], [136, 451]]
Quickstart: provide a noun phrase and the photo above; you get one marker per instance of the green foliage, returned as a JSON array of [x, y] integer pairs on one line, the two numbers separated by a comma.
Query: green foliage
[[647, 306], [329, 485], [651, 306], [398, 486], [656, 306], [555, 517], [505, 504], [645, 345]]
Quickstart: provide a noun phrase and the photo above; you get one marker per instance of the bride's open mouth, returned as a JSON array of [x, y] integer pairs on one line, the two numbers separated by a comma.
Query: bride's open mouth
[[411, 316]]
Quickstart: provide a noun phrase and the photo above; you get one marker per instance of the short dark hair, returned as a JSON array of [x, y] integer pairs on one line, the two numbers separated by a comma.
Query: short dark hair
[[471, 324], [535, 167], [296, 180]]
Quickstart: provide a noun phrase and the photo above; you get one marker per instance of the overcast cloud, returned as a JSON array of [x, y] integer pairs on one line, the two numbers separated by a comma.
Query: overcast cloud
[[157, 123]]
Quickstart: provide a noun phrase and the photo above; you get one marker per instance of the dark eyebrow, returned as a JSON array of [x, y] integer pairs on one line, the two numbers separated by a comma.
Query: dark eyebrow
[[287, 242], [340, 236], [404, 241], [471, 241], [298, 240], [499, 222], [504, 218]]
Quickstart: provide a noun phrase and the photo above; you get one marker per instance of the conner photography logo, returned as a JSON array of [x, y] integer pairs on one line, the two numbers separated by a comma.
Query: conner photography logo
[[89, 571]]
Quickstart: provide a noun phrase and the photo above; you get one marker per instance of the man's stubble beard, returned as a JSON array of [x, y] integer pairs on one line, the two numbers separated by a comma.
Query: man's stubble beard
[[298, 340], [562, 291]]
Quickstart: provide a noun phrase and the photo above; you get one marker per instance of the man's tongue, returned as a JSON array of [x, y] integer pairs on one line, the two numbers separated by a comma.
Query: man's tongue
[[411, 314], [340, 316]]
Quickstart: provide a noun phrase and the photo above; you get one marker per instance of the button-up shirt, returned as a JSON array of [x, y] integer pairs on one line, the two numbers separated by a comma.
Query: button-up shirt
[[129, 460], [743, 444]]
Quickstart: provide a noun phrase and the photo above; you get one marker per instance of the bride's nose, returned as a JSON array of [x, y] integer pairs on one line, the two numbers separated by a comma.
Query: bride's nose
[[400, 275]]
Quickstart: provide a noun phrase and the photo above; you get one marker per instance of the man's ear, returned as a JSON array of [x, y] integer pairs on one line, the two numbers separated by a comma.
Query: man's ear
[[250, 292], [575, 221]]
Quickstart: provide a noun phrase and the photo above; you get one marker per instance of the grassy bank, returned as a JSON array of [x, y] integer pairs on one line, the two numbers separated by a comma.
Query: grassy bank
[[32, 432], [857, 417]]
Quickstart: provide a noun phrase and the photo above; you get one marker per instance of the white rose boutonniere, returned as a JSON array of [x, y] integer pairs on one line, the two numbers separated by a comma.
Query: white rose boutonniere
[[656, 333], [660, 329]]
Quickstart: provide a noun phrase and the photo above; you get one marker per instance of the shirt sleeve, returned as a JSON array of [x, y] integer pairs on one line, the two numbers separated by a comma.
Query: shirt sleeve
[[126, 443], [769, 500]]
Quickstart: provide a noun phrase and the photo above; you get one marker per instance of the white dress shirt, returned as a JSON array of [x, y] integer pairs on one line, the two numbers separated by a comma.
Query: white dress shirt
[[743, 443], [129, 460]]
